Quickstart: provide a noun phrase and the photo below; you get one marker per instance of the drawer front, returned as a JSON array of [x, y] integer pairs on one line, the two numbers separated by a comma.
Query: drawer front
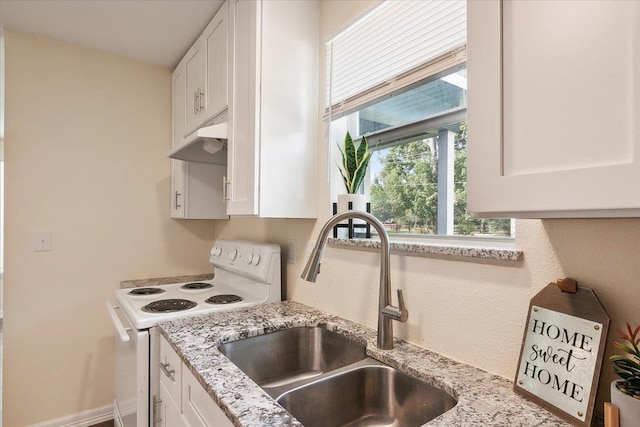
[[170, 371], [198, 407]]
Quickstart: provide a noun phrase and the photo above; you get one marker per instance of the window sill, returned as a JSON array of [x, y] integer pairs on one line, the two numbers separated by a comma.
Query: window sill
[[471, 251]]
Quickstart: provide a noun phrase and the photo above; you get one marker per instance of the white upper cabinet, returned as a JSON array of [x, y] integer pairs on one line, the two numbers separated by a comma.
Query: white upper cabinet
[[554, 108], [206, 65], [196, 188], [272, 147]]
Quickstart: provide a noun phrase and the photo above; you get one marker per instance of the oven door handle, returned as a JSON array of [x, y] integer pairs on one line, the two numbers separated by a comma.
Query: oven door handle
[[122, 331]]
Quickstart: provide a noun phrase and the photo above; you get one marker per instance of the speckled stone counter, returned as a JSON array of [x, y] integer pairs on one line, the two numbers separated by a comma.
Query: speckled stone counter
[[164, 280], [432, 249], [483, 399]]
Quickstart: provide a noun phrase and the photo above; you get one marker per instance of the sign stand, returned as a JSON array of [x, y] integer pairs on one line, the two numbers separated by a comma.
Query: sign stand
[[562, 351]]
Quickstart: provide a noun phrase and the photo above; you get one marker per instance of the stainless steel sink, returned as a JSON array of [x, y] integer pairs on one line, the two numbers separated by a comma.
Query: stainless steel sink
[[325, 379], [374, 395], [282, 358]]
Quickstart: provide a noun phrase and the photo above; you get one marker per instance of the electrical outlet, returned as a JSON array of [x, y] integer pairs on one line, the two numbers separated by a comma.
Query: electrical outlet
[[291, 251], [42, 241]]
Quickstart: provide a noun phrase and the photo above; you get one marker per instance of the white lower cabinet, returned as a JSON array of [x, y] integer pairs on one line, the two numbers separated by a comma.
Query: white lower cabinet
[[198, 407], [169, 412], [183, 400]]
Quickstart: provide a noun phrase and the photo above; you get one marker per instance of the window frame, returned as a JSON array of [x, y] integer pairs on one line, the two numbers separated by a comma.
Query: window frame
[[441, 64]]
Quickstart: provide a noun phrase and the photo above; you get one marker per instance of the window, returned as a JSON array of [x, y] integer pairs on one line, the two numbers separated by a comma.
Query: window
[[398, 76]]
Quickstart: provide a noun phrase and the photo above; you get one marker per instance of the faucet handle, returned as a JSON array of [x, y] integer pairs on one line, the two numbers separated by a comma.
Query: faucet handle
[[404, 314], [399, 313]]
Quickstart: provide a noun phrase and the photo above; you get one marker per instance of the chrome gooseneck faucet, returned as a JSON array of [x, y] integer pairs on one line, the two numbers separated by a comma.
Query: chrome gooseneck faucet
[[386, 311]]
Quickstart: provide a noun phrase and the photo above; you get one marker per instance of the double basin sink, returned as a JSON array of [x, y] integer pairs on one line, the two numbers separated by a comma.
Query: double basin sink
[[326, 379]]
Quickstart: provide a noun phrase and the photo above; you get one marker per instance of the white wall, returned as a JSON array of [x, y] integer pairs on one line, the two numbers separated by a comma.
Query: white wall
[[86, 135], [467, 310]]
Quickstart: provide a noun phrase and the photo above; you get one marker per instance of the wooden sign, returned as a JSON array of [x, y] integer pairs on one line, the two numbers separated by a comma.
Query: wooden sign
[[562, 351]]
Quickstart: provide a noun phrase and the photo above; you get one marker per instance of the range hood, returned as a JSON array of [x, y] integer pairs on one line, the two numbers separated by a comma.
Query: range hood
[[206, 145]]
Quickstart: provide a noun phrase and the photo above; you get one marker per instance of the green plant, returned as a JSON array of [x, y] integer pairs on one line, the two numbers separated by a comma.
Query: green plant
[[354, 163], [627, 366]]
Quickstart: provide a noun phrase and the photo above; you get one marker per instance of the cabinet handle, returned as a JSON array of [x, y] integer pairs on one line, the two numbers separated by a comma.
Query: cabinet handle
[[195, 103], [177, 195], [168, 372], [201, 98], [225, 192], [156, 402]]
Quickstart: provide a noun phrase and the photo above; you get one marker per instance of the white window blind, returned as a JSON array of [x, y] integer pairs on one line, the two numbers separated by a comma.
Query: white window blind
[[396, 45]]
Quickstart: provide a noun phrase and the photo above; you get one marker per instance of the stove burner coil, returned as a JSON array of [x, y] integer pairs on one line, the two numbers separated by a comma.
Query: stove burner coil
[[168, 306], [224, 299], [146, 291], [196, 285]]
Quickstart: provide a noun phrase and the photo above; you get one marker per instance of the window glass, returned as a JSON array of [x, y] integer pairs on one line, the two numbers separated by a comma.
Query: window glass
[[425, 100], [405, 193], [405, 132]]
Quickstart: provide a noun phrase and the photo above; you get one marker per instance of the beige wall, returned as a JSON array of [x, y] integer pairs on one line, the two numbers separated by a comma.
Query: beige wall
[[470, 311], [86, 135]]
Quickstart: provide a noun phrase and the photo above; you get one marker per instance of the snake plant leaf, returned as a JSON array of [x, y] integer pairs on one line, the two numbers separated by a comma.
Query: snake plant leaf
[[344, 178], [350, 156], [354, 163], [344, 169], [362, 150], [360, 172]]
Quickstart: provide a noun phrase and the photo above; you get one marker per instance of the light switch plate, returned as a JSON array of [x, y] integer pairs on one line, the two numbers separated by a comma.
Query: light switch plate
[[42, 241]]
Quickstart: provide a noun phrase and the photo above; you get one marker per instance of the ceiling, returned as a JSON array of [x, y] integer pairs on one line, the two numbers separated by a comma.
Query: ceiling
[[154, 31]]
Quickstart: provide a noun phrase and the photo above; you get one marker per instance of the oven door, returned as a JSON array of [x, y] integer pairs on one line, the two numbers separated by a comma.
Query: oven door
[[131, 404]]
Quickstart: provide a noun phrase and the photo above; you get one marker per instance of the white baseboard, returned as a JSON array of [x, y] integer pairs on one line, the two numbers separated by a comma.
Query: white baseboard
[[81, 419]]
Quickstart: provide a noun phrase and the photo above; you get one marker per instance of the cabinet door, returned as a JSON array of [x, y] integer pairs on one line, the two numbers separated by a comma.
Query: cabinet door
[[215, 39], [195, 77], [178, 125], [554, 108], [242, 161], [198, 407], [203, 191], [170, 372], [169, 414], [178, 172]]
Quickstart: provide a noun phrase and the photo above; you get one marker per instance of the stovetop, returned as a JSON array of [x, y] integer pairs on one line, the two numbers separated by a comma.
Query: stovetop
[[247, 274], [133, 305]]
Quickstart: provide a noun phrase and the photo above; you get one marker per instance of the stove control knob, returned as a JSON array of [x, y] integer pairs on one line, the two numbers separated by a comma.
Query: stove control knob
[[249, 259], [216, 251], [255, 260], [233, 254]]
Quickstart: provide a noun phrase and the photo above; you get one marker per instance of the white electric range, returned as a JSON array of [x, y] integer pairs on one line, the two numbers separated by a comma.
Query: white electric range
[[247, 274]]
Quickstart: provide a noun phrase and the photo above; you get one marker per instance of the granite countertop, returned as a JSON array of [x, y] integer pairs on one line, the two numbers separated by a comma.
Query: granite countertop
[[414, 247], [484, 399], [156, 281]]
